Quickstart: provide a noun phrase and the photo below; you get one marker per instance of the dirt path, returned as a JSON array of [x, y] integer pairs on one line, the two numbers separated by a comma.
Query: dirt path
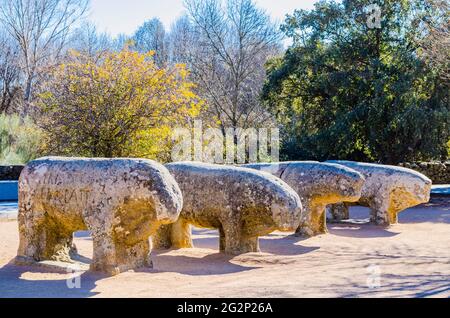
[[411, 259]]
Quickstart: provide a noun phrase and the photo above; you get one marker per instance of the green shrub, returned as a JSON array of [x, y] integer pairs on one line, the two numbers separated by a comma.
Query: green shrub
[[448, 149], [20, 140]]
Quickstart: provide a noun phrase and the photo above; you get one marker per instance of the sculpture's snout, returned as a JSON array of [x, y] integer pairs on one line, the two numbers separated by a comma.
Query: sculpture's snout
[[288, 214], [167, 214], [169, 205], [425, 194], [351, 187]]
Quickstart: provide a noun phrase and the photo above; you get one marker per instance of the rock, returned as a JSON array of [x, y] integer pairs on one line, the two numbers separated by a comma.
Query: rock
[[241, 203], [122, 202], [388, 190], [318, 185]]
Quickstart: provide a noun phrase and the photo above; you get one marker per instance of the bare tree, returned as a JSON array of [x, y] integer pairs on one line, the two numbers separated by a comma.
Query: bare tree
[[233, 40], [180, 39], [41, 29], [120, 42], [151, 36], [436, 44], [88, 41], [9, 73]]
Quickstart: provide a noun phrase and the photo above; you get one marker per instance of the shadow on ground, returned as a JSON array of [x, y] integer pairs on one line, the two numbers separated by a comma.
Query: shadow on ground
[[12, 283], [214, 264], [358, 226], [276, 243], [436, 211], [359, 230], [420, 286], [285, 246]]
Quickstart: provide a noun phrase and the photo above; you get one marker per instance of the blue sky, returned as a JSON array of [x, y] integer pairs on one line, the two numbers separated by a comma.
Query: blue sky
[[124, 16]]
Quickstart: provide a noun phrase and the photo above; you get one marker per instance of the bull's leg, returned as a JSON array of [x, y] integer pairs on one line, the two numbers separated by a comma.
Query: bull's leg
[[318, 219], [30, 234], [393, 216], [232, 234], [181, 234], [42, 238], [104, 254], [135, 256], [221, 240], [339, 212], [379, 213], [250, 245], [393, 212], [176, 235], [114, 257], [304, 230], [313, 221], [162, 239]]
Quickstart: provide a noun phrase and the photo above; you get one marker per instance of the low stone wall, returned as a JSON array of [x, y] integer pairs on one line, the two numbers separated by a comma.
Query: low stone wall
[[438, 172], [10, 173], [9, 190]]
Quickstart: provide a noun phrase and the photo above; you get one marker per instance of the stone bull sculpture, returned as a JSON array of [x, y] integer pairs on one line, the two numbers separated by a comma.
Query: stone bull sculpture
[[122, 202], [242, 204], [317, 184], [388, 190]]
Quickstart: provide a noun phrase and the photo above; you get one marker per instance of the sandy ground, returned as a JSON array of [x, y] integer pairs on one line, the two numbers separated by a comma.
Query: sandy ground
[[411, 259]]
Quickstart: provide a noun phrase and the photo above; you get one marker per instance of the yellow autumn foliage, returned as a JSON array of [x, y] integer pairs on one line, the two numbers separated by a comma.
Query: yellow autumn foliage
[[122, 105]]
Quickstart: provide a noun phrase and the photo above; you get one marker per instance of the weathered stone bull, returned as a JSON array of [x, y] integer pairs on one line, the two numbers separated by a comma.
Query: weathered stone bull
[[317, 184], [241, 203], [387, 191], [122, 202]]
